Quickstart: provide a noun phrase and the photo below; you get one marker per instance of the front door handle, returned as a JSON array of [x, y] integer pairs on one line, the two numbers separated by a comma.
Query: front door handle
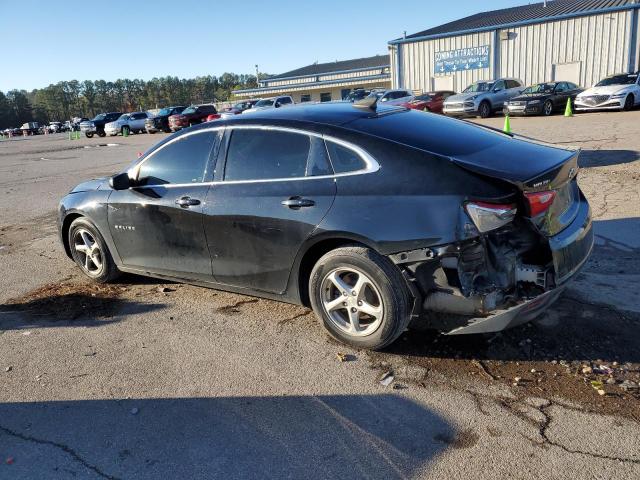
[[298, 202], [186, 202]]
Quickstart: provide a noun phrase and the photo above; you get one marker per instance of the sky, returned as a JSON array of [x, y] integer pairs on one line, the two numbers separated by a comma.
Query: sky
[[45, 42]]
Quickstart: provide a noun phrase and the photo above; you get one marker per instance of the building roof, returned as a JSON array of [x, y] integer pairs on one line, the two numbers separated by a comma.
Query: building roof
[[526, 14], [337, 66]]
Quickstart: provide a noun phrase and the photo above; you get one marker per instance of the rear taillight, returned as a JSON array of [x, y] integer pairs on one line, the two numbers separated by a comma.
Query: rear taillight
[[489, 216], [540, 202]]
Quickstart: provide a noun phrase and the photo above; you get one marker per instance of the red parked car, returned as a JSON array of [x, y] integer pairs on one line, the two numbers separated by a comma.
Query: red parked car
[[192, 116], [430, 102]]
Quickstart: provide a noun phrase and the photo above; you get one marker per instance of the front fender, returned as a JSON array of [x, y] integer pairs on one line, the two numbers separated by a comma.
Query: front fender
[[92, 205]]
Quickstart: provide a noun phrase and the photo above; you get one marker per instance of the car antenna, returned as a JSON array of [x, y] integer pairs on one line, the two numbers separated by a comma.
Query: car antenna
[[367, 103]]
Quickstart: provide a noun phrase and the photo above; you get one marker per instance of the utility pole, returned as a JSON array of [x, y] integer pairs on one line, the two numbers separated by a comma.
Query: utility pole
[[257, 77]]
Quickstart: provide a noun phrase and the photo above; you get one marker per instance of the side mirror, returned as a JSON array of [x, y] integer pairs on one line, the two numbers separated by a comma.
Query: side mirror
[[496, 90], [121, 181]]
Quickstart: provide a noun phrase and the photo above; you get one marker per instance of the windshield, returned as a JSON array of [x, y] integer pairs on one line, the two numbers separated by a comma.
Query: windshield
[[478, 87], [100, 116], [189, 110], [540, 88], [618, 80], [165, 111], [265, 103]]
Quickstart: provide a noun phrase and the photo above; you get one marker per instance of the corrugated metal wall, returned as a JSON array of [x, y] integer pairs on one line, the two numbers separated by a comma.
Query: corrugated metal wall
[[418, 61], [601, 43]]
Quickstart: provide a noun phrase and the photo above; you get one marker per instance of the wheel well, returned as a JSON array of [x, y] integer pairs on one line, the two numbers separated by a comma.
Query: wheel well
[[311, 257], [66, 224]]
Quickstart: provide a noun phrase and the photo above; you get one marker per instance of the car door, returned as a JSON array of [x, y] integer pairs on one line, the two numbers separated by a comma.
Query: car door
[[560, 95], [157, 225], [276, 187], [137, 121]]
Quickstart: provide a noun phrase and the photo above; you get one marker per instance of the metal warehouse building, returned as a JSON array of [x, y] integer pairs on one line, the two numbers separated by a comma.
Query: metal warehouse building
[[580, 41], [324, 82]]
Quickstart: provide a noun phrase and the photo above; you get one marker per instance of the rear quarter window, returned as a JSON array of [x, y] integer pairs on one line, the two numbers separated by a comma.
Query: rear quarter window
[[344, 159]]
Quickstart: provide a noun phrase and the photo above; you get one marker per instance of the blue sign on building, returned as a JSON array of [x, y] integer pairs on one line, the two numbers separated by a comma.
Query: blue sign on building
[[462, 59]]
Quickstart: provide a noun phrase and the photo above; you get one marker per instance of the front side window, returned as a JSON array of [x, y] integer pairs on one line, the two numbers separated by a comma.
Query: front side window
[[182, 161], [498, 86], [344, 159], [255, 154]]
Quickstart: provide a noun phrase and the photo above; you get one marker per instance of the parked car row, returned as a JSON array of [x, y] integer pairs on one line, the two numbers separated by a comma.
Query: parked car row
[[508, 95]]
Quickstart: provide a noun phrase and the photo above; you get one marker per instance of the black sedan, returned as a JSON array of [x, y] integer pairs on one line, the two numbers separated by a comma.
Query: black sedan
[[160, 122], [374, 216], [543, 99]]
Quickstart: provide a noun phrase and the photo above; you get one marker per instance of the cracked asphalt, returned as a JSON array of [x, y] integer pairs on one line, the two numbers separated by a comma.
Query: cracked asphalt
[[144, 379]]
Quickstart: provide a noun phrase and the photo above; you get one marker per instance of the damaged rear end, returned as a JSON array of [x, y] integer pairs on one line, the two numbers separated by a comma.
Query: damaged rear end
[[515, 254]]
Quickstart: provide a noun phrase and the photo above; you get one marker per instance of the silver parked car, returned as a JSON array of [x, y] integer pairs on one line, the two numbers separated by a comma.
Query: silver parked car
[[273, 102], [483, 98], [128, 122], [393, 97]]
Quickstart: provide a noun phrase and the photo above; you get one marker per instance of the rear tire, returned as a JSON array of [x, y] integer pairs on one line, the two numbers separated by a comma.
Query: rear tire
[[102, 134], [377, 306], [90, 251], [485, 109], [88, 135], [629, 102]]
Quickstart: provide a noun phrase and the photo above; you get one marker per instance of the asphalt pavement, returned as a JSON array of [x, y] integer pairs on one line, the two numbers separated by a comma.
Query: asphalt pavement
[[145, 379]]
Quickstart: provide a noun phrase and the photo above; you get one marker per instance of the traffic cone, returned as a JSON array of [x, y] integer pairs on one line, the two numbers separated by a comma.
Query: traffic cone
[[507, 124], [568, 111]]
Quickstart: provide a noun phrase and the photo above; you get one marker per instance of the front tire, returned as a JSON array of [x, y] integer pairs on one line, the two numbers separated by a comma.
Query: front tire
[[101, 134], [88, 135], [629, 103], [90, 251], [547, 108], [485, 109], [360, 297]]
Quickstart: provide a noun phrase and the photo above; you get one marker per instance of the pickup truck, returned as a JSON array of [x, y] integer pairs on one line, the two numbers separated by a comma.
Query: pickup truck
[[30, 128], [160, 122], [191, 116], [127, 122], [96, 126]]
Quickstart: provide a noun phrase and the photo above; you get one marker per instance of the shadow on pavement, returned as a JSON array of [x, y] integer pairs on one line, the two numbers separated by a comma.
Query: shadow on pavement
[[74, 309], [605, 158], [337, 436]]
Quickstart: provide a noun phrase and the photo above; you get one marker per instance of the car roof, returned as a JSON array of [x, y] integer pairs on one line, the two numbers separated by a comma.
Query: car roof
[[327, 113]]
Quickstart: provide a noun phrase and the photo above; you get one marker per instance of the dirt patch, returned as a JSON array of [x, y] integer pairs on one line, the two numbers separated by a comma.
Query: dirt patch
[[463, 439], [67, 301], [584, 354]]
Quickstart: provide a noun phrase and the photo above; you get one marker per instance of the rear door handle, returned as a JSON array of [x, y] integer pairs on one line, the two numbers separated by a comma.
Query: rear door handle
[[185, 202], [298, 202]]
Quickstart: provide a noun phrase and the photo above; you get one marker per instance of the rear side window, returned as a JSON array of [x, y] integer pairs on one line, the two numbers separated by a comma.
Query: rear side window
[[266, 154], [179, 162], [344, 159]]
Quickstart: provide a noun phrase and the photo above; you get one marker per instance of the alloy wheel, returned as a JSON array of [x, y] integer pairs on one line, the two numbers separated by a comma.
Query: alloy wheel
[[89, 252], [352, 301], [548, 108]]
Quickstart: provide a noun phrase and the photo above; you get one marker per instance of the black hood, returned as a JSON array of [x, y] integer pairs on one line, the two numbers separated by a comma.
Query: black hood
[[89, 185]]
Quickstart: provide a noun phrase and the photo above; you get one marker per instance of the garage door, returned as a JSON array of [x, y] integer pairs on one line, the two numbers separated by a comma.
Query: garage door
[[443, 83], [567, 72]]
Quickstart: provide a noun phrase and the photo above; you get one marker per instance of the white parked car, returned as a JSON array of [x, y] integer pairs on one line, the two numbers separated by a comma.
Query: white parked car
[[393, 97], [617, 92], [128, 122], [273, 102]]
